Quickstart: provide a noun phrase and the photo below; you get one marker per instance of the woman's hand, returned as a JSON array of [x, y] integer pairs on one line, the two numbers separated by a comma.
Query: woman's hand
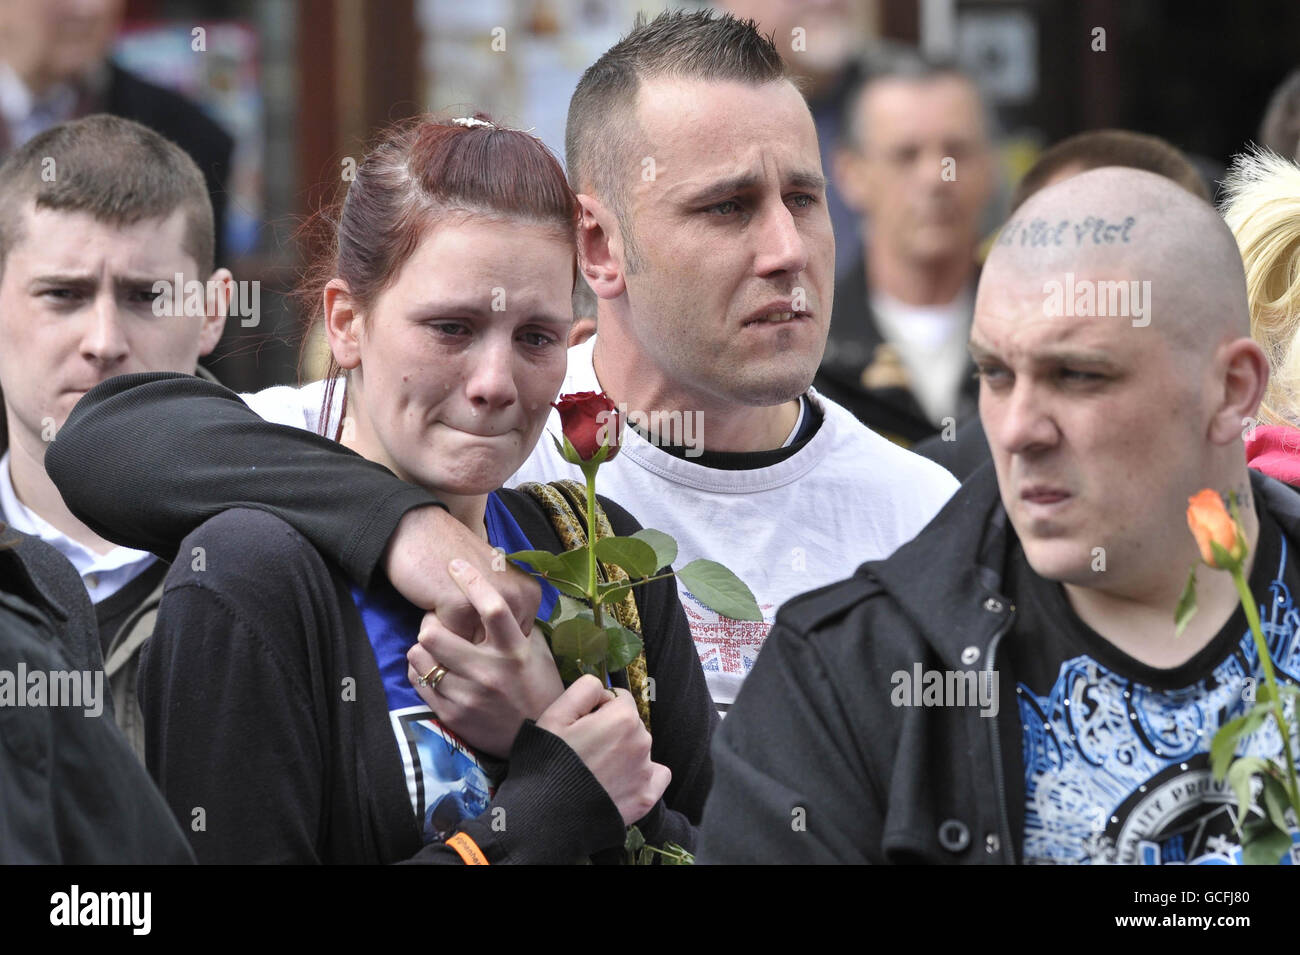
[[603, 727], [489, 688]]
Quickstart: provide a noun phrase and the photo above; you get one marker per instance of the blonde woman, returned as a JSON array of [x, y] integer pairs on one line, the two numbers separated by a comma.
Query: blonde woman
[[1262, 208]]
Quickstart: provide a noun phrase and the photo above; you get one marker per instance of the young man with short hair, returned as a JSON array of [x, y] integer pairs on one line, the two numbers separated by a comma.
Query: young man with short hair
[[94, 214]]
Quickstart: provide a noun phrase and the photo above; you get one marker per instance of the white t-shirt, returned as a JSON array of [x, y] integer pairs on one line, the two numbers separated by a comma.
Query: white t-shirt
[[846, 497]]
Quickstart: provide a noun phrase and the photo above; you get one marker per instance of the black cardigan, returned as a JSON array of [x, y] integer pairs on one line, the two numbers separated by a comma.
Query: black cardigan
[[134, 428]]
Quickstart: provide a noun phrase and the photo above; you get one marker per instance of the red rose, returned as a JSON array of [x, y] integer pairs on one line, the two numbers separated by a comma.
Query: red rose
[[589, 420]]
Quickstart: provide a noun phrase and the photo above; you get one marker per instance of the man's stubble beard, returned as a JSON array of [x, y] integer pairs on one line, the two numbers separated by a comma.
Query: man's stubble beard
[[711, 379]]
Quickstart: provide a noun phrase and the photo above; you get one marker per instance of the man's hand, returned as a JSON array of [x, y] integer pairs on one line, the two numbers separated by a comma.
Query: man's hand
[[490, 688], [603, 727], [427, 539]]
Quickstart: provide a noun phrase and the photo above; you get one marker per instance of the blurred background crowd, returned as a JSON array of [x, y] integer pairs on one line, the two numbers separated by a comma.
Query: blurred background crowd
[[274, 99]]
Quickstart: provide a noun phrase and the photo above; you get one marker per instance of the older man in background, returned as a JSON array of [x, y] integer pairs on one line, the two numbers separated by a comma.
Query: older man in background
[[917, 166]]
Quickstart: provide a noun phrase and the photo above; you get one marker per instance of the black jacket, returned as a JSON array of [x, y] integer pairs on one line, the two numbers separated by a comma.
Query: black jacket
[[60, 592], [813, 762], [263, 641], [71, 790]]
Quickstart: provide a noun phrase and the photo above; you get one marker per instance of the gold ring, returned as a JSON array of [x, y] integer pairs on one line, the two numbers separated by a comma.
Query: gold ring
[[433, 677]]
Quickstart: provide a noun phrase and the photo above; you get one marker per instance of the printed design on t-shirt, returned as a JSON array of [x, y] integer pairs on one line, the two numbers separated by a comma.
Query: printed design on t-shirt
[[1118, 772], [446, 781], [725, 646]]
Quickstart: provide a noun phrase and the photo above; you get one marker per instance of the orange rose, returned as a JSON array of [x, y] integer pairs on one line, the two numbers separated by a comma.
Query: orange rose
[[1210, 521]]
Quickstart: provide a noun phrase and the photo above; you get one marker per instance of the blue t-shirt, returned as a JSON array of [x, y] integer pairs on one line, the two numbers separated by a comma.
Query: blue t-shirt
[[445, 778]]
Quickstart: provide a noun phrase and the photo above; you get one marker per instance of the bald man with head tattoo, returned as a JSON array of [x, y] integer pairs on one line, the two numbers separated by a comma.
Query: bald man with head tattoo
[[1008, 686]]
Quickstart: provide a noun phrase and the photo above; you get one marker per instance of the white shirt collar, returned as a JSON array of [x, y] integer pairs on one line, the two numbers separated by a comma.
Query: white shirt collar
[[103, 574]]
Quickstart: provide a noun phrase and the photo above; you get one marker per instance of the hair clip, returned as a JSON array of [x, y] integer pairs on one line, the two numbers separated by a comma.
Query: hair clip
[[470, 122]]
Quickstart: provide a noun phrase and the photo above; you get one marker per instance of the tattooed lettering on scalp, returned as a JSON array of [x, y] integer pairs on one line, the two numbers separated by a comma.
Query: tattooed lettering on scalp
[[1073, 233]]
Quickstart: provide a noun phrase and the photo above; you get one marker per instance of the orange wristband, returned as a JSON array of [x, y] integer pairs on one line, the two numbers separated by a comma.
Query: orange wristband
[[467, 849]]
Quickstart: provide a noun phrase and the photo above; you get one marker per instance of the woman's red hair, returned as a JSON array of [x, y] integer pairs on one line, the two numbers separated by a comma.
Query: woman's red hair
[[418, 173]]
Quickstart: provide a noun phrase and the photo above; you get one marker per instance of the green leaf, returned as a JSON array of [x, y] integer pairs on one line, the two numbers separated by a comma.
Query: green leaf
[[1239, 776], [634, 556], [1224, 745], [564, 449], [570, 453], [624, 645], [634, 840], [579, 648], [1225, 740], [1263, 844], [542, 561], [1186, 608], [573, 568], [1264, 693], [664, 546], [594, 668], [581, 641], [720, 590], [1276, 801], [567, 572], [564, 587], [569, 671], [567, 450], [669, 854], [675, 855], [566, 608], [612, 593]]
